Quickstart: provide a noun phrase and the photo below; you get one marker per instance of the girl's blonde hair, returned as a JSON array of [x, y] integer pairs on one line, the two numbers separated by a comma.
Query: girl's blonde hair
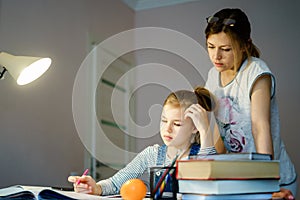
[[185, 98]]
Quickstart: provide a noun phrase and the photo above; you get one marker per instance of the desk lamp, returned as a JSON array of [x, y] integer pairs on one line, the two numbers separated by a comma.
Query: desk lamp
[[23, 69]]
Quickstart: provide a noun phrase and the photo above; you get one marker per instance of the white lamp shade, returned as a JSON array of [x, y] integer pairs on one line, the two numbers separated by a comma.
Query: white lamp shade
[[24, 69]]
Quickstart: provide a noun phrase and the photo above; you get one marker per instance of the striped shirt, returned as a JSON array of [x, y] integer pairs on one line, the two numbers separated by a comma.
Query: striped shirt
[[135, 169]]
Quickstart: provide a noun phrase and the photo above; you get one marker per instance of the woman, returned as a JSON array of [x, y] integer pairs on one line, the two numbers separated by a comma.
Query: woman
[[247, 114]]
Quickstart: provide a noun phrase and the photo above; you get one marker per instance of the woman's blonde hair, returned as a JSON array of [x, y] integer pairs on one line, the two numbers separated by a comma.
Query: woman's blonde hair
[[234, 23]]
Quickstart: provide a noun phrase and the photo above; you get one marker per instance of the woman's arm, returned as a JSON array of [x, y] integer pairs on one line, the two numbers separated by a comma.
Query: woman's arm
[[219, 144], [260, 114]]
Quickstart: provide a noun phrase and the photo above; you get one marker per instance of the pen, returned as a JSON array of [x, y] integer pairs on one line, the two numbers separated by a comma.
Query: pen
[[84, 173]]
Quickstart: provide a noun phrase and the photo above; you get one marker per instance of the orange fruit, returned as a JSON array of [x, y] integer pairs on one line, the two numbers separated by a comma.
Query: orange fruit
[[133, 189]]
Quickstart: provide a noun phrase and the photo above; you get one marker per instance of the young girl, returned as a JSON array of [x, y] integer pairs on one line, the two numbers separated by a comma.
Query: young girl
[[184, 123], [244, 86]]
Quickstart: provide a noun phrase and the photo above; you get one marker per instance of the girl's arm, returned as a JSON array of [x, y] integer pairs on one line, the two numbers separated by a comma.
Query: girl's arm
[[260, 115], [87, 185], [133, 169], [211, 142], [112, 185], [200, 119]]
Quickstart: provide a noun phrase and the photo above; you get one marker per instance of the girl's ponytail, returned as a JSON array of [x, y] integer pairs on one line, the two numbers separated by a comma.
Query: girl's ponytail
[[205, 98]]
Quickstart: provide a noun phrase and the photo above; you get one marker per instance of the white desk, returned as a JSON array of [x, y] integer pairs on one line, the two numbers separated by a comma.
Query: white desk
[[35, 190]]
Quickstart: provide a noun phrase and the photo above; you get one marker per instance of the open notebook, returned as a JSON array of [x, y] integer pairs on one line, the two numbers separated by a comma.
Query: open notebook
[[19, 192]]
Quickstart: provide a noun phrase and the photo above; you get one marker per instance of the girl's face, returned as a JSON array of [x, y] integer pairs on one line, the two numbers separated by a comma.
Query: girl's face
[[220, 51], [175, 130]]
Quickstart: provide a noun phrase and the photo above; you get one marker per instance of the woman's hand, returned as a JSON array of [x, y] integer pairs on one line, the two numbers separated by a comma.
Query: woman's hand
[[283, 194], [87, 185]]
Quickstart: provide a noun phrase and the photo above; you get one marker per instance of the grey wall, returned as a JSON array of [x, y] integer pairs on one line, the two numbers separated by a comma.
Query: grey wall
[[39, 144], [275, 30]]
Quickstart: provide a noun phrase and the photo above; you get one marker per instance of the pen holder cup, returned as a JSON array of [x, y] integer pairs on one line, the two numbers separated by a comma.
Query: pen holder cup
[[171, 187]]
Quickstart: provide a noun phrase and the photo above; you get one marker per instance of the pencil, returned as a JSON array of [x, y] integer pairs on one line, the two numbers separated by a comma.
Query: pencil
[[84, 173]]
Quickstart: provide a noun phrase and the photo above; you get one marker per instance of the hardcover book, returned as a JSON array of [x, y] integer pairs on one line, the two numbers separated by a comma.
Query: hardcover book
[[227, 169], [218, 187], [234, 156], [259, 196]]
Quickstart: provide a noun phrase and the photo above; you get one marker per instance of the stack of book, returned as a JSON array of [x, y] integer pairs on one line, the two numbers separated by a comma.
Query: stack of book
[[228, 176]]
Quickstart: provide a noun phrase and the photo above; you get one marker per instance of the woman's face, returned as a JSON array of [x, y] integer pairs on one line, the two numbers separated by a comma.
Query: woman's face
[[175, 130], [220, 51]]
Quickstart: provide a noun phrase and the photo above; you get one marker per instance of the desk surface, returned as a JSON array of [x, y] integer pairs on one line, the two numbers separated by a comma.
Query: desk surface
[[36, 190]]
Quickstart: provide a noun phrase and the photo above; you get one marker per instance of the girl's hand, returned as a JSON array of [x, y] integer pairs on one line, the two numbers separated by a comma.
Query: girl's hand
[[87, 185], [199, 117]]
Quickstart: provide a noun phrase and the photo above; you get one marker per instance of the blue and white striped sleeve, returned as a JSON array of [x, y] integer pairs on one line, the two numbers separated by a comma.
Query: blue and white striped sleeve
[[134, 169], [207, 151]]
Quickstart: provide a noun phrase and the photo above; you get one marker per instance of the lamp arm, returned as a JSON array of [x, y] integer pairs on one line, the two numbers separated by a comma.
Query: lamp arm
[[3, 72]]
